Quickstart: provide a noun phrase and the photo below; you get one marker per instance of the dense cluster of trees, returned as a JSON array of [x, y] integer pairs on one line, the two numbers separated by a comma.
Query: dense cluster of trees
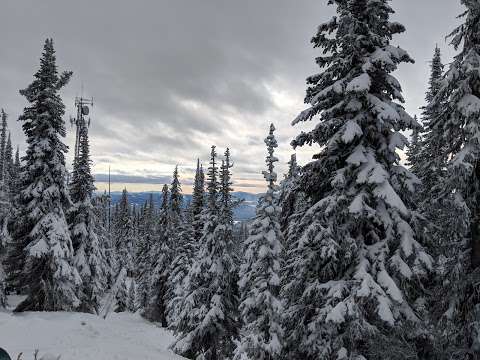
[[351, 256], [372, 244]]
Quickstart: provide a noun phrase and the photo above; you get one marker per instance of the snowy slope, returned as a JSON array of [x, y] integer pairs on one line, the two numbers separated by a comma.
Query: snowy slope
[[77, 336]]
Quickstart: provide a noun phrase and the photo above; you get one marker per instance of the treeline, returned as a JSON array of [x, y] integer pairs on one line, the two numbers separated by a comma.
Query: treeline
[[66, 249], [353, 256], [382, 261]]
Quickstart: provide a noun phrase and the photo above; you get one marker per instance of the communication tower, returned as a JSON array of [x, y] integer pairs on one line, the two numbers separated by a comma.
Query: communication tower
[[82, 104]]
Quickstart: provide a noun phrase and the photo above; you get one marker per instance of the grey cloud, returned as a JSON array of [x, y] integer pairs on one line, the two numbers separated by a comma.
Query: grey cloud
[[170, 78]]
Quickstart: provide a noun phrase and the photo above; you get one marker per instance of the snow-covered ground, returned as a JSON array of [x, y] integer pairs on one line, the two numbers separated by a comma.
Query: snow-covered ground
[[77, 336]]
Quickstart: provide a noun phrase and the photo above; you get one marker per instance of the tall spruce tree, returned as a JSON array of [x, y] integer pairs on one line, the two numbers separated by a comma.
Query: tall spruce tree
[[289, 195], [176, 235], [143, 253], [178, 276], [293, 203], [432, 161], [121, 292], [8, 189], [41, 261], [198, 201], [356, 266], [3, 141], [131, 300], [414, 148], [8, 167], [438, 203], [207, 321], [16, 173], [225, 234], [5, 207], [225, 191], [88, 257], [17, 163], [455, 113], [184, 244], [6, 177], [261, 307], [101, 208], [124, 234], [162, 255], [176, 197]]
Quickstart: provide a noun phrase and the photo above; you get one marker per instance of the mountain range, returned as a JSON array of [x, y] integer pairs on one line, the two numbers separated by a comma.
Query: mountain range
[[244, 211]]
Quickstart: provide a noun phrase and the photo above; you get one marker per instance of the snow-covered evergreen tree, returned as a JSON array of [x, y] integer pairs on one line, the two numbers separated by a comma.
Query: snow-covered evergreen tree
[[178, 276], [454, 114], [42, 255], [15, 178], [101, 205], [289, 195], [355, 266], [226, 202], [123, 234], [6, 178], [7, 190], [144, 256], [17, 162], [162, 255], [198, 201], [430, 162], [207, 322], [5, 213], [131, 301], [88, 257], [121, 292], [8, 166], [183, 246], [3, 141], [414, 148], [430, 167], [182, 242], [438, 203], [225, 233], [176, 197], [261, 307]]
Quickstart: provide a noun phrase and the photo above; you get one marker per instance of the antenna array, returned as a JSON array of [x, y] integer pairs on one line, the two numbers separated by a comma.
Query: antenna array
[[82, 104]]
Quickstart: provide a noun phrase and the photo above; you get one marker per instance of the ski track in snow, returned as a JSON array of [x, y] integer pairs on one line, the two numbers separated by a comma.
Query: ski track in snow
[[78, 336]]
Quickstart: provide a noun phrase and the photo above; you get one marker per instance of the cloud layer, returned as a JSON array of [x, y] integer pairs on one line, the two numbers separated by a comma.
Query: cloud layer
[[170, 78]]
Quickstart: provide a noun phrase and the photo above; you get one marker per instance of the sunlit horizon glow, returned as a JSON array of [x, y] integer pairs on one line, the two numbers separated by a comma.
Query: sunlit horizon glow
[[155, 188]]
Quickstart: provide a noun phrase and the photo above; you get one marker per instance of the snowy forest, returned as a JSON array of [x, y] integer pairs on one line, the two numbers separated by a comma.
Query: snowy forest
[[360, 254]]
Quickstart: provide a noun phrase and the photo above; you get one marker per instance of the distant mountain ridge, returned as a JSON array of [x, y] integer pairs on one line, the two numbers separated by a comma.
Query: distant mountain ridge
[[245, 211]]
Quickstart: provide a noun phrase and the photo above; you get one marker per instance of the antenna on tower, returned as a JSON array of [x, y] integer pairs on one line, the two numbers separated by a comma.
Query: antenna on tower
[[82, 104]]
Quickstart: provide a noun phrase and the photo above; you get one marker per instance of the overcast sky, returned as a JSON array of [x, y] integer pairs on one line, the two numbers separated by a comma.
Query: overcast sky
[[169, 78]]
